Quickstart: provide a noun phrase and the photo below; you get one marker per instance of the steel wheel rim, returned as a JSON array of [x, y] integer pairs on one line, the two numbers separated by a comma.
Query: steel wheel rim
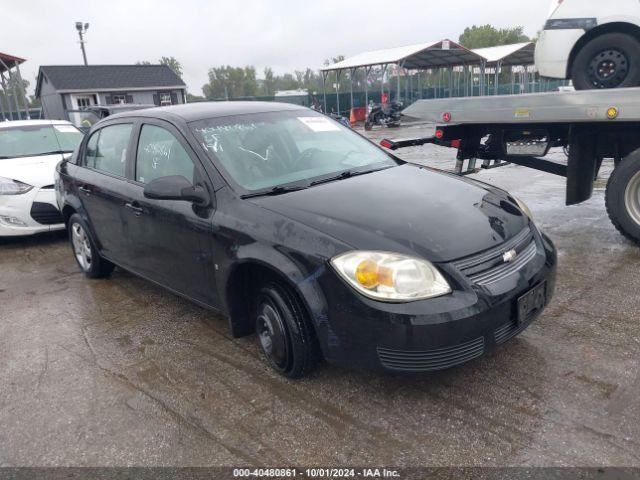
[[632, 198], [272, 335], [609, 68], [81, 246]]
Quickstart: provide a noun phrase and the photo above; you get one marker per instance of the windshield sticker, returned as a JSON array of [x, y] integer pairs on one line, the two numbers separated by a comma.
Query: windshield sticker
[[65, 128], [319, 124]]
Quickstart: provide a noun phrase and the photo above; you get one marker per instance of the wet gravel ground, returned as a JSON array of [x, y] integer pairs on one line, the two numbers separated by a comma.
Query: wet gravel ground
[[119, 372]]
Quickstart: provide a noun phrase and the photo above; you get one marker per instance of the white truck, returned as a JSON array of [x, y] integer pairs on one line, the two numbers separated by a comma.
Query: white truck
[[596, 43]]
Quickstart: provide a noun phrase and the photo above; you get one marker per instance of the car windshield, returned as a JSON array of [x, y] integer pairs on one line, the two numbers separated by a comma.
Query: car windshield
[[268, 150], [33, 140]]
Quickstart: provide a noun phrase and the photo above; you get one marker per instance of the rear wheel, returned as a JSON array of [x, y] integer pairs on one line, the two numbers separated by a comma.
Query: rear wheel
[[284, 331], [623, 197], [611, 60], [85, 251]]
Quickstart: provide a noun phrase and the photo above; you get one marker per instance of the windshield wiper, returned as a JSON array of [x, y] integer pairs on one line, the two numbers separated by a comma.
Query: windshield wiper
[[345, 174], [278, 190], [54, 152]]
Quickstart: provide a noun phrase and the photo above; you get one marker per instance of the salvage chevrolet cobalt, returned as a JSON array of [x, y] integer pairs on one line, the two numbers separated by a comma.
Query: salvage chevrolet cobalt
[[306, 234]]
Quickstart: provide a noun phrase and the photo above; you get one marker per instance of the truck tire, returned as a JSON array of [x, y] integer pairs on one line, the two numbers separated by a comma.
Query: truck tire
[[623, 197], [611, 60]]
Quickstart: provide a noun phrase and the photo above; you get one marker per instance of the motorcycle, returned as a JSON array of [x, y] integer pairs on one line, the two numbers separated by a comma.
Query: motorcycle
[[385, 115]]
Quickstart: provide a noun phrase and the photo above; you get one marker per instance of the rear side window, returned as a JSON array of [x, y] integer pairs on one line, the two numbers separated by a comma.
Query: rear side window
[[160, 154], [107, 149]]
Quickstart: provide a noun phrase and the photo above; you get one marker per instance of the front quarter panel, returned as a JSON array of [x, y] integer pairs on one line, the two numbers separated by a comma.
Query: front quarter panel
[[299, 254]]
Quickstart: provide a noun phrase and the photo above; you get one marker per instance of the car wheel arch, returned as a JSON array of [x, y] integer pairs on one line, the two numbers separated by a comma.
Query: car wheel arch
[[249, 273], [613, 27]]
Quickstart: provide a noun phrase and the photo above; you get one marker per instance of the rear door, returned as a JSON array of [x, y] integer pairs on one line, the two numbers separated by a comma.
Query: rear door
[[103, 188], [171, 239]]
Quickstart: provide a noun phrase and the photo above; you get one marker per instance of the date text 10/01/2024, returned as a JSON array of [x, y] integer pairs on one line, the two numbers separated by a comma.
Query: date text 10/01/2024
[[316, 473]]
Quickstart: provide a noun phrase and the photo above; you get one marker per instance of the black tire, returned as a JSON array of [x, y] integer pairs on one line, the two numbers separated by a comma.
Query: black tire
[[623, 210], [85, 251], [611, 60], [284, 331], [368, 126]]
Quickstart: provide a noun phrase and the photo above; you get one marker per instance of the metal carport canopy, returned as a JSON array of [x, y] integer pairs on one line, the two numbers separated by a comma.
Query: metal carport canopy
[[509, 55], [420, 56], [9, 61]]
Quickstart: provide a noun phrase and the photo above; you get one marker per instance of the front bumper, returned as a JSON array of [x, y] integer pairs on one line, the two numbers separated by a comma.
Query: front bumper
[[553, 50], [430, 335], [33, 212]]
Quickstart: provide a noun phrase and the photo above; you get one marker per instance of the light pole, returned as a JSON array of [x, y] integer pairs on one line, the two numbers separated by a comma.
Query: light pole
[[82, 29]]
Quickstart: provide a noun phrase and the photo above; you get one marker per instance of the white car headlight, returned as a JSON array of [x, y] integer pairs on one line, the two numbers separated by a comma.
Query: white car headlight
[[523, 206], [391, 277], [13, 187]]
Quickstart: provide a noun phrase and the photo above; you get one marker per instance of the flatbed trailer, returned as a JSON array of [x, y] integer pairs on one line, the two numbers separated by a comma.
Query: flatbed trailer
[[591, 125]]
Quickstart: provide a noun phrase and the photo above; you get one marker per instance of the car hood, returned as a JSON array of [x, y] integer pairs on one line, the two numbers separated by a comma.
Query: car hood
[[406, 209], [37, 171]]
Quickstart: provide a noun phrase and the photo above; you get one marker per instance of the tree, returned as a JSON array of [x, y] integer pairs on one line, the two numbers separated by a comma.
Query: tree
[[228, 82], [173, 64], [195, 98], [489, 36], [170, 62], [269, 84], [249, 82], [19, 88], [286, 82]]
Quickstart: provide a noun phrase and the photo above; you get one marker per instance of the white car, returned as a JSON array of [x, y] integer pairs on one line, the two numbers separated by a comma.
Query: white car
[[29, 153], [596, 43]]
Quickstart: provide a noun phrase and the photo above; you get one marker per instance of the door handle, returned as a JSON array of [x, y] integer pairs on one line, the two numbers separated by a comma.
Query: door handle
[[137, 211], [85, 190]]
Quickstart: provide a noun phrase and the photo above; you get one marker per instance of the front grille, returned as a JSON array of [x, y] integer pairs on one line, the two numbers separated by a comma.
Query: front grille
[[489, 266], [431, 360], [46, 214]]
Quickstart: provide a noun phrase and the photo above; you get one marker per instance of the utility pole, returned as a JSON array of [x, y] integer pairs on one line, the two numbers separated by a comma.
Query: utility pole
[[82, 29]]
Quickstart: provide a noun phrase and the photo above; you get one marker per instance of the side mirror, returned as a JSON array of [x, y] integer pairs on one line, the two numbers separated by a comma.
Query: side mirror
[[176, 187]]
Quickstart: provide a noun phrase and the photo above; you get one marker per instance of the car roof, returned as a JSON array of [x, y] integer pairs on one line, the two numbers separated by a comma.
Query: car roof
[[124, 106], [28, 123], [190, 112]]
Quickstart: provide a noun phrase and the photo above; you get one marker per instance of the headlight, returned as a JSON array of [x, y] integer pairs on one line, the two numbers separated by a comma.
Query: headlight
[[523, 206], [391, 277], [13, 187]]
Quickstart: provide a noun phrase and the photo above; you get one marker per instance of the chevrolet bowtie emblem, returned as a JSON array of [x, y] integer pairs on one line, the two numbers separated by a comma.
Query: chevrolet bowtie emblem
[[509, 256]]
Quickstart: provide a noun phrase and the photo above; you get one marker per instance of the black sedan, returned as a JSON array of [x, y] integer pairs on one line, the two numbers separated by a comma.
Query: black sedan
[[304, 232]]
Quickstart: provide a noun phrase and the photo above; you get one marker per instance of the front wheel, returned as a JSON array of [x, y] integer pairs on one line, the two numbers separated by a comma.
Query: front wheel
[[623, 197], [85, 250], [284, 331], [611, 60]]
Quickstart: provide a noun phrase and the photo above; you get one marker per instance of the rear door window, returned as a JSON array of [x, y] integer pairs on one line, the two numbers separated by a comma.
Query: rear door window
[[107, 149]]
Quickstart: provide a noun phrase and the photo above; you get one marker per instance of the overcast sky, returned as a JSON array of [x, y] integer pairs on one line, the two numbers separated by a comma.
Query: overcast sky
[[283, 34]]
